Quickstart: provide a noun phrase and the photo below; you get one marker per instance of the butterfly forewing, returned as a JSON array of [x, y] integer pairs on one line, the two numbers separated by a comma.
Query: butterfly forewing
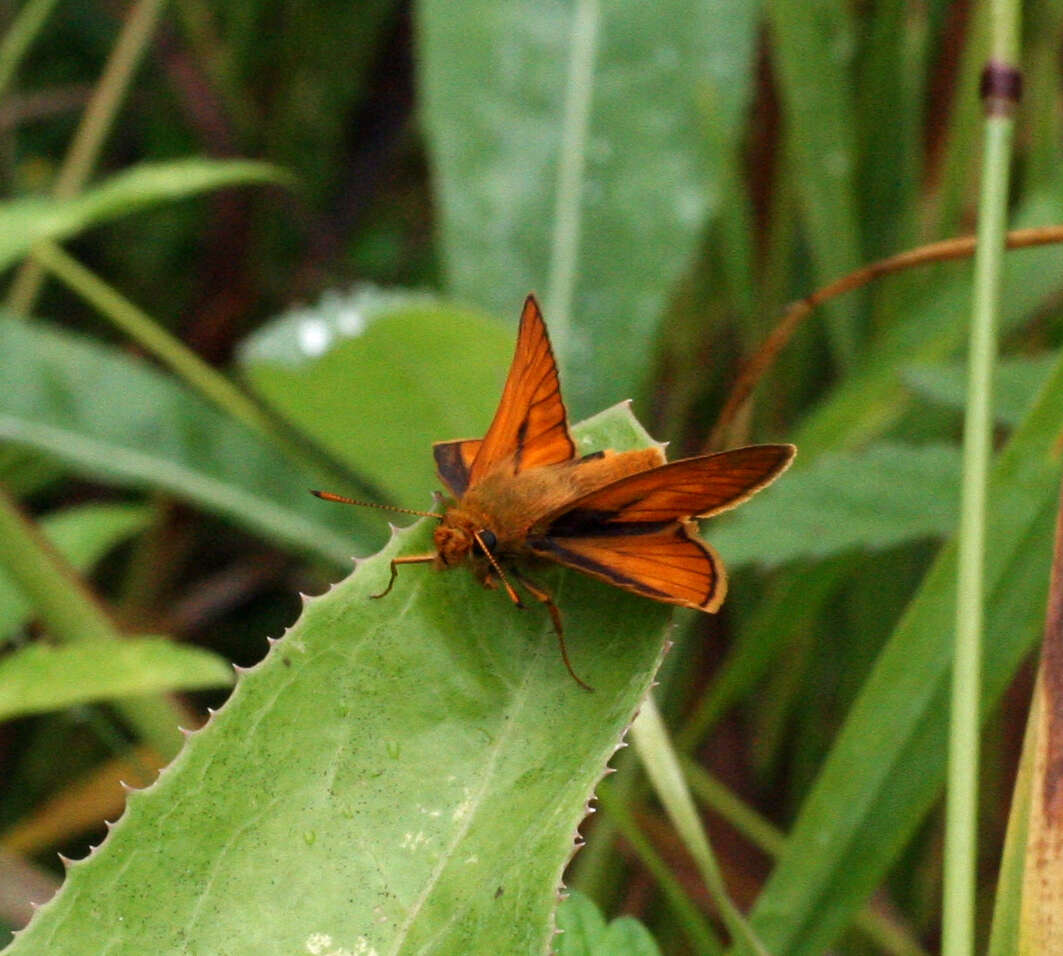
[[667, 564], [691, 487], [530, 427]]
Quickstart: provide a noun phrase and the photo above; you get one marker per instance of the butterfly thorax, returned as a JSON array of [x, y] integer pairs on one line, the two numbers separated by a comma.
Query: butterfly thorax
[[505, 506]]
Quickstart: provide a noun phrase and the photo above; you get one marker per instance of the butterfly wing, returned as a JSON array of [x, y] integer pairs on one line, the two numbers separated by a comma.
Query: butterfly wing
[[530, 427], [691, 487], [454, 463], [635, 533], [668, 564]]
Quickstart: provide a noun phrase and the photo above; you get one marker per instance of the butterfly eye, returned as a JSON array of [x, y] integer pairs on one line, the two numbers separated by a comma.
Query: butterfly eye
[[488, 539]]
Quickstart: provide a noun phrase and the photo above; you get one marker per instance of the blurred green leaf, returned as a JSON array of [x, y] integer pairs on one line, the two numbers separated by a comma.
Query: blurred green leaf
[[25, 222], [578, 150], [377, 377], [584, 932], [812, 45], [39, 677], [398, 775], [83, 534], [887, 765], [111, 417], [889, 79], [1017, 383], [874, 499]]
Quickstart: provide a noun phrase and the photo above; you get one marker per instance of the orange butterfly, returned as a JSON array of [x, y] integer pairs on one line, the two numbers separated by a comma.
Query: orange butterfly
[[623, 517]]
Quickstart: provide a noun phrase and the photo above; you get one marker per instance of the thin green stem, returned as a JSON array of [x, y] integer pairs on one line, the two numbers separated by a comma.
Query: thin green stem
[[71, 613], [568, 208], [886, 934], [136, 323], [19, 37], [961, 815], [662, 766], [95, 124], [689, 916]]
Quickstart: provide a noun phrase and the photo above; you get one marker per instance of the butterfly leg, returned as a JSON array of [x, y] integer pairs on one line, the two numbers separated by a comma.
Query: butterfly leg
[[395, 562], [543, 596]]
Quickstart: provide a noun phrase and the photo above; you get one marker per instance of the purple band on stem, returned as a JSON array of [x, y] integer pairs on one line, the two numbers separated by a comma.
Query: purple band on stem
[[1001, 88]]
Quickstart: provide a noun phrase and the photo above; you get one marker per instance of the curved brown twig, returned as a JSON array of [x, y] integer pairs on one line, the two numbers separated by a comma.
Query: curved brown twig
[[761, 360]]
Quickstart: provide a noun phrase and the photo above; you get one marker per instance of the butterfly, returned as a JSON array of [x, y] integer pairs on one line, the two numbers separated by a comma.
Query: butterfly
[[522, 492]]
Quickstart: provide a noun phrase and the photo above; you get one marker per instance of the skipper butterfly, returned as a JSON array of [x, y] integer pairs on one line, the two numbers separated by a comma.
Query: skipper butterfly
[[627, 518]]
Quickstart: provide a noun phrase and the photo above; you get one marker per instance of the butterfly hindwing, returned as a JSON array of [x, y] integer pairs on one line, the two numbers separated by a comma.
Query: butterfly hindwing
[[530, 428], [635, 532], [666, 563]]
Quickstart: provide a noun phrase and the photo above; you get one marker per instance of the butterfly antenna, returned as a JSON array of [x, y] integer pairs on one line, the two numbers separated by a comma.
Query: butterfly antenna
[[513, 596], [329, 496]]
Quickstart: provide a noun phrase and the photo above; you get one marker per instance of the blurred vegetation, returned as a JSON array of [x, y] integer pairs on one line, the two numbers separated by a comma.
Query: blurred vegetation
[[732, 158]]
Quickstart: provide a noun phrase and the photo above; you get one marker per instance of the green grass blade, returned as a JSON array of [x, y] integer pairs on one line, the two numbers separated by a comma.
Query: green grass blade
[[39, 677], [25, 222], [1005, 937], [19, 36], [659, 759], [71, 615], [82, 535], [887, 765]]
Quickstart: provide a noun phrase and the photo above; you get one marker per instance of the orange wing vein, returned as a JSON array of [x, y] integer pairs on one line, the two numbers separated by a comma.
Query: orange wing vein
[[530, 427]]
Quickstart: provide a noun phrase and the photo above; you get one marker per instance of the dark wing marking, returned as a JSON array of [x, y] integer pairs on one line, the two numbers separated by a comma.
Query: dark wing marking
[[530, 427], [454, 462], [667, 564], [692, 487]]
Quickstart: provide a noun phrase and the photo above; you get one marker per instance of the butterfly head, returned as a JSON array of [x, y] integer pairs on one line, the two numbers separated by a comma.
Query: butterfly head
[[460, 537]]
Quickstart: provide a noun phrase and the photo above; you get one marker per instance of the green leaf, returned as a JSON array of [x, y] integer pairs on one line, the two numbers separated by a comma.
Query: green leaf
[[39, 677], [1018, 380], [874, 499], [584, 932], [578, 149], [377, 377], [83, 534], [108, 416], [25, 222], [399, 775], [887, 766]]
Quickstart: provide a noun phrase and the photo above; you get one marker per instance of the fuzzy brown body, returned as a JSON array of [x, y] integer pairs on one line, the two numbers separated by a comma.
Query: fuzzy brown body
[[514, 506]]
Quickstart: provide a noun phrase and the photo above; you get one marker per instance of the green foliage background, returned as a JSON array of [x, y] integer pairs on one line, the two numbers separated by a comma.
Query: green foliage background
[[410, 774]]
